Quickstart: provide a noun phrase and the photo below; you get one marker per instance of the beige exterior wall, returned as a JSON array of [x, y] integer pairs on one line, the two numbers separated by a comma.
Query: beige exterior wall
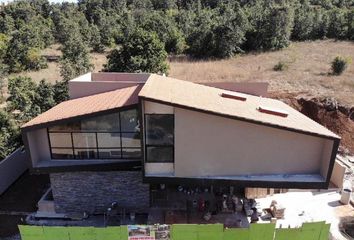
[[207, 145], [159, 169], [39, 145], [83, 89], [156, 108], [94, 83], [220, 147]]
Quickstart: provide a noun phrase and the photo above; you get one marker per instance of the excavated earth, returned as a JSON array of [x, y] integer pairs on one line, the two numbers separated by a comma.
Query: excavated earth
[[326, 111]]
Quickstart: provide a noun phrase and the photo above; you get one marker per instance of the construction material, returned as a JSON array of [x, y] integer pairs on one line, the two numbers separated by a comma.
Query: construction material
[[277, 210]]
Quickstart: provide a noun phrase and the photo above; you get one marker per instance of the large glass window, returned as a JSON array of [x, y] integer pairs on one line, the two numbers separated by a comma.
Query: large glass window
[[159, 137], [111, 136]]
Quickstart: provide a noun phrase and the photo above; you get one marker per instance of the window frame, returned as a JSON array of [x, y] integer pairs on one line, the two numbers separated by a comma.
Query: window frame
[[97, 148], [158, 145]]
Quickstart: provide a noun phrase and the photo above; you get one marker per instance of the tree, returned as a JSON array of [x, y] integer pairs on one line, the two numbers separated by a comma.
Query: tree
[[9, 135], [23, 95], [76, 59], [338, 24], [165, 27], [271, 25], [4, 41], [45, 98], [60, 91], [3, 75], [140, 52], [219, 33], [96, 42]]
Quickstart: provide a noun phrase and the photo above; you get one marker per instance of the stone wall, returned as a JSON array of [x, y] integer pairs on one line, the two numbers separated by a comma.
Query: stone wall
[[76, 192]]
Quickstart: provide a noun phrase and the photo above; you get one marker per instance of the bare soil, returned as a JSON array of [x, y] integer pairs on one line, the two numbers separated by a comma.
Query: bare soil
[[326, 111]]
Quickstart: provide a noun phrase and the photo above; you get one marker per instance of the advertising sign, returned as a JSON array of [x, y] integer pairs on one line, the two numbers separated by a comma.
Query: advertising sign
[[149, 232]]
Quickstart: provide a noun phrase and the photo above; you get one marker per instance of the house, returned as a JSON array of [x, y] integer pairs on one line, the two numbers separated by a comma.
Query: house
[[140, 140]]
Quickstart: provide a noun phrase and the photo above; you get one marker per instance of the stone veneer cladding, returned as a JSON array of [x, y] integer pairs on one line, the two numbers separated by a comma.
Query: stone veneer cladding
[[76, 192]]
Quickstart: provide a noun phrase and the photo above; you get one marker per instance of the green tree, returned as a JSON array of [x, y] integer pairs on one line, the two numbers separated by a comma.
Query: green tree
[[338, 23], [76, 59], [140, 52], [4, 41], [9, 135], [165, 27], [60, 91], [303, 22], [45, 96], [23, 95], [96, 42], [271, 25], [3, 75]]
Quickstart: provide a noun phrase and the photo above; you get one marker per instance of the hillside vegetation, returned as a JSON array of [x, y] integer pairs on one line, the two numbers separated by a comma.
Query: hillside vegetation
[[43, 45]]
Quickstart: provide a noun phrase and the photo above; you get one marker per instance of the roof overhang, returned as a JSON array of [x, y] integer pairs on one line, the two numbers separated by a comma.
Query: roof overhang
[[90, 106]]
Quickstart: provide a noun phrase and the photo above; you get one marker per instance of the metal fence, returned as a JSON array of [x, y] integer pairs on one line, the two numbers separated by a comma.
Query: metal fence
[[308, 231]]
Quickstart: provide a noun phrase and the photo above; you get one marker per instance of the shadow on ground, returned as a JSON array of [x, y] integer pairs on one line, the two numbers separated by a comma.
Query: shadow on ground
[[20, 198]]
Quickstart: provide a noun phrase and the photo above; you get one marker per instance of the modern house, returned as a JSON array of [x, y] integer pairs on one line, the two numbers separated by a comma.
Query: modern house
[[130, 138]]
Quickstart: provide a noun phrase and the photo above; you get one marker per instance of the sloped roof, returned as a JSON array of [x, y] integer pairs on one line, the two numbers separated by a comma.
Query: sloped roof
[[87, 105], [208, 99]]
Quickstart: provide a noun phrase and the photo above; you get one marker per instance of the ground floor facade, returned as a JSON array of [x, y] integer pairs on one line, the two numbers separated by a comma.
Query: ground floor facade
[[94, 192]]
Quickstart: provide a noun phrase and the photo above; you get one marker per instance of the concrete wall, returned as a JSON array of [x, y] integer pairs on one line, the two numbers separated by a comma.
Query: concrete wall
[[11, 168], [76, 192], [338, 173]]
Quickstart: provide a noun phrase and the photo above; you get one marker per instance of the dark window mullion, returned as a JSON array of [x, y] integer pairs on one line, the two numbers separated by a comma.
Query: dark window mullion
[[98, 153], [120, 134], [72, 145]]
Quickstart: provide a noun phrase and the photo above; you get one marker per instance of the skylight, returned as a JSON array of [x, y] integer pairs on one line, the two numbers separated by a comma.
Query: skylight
[[234, 95], [273, 111]]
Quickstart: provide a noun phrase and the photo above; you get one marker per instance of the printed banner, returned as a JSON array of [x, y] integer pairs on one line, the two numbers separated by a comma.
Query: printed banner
[[149, 232]]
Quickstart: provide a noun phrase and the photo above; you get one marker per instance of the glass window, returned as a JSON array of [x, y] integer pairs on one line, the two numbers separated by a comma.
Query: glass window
[[131, 140], [111, 136], [62, 153], [110, 153], [68, 127], [131, 152], [107, 123], [159, 154], [84, 140], [108, 140], [60, 140], [159, 129], [86, 153], [129, 120], [159, 137]]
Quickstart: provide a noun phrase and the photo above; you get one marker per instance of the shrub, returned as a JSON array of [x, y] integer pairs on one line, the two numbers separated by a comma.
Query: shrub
[[281, 66], [339, 64]]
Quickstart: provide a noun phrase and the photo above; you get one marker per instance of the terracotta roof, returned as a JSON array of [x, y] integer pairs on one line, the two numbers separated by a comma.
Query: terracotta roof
[[88, 105], [209, 99]]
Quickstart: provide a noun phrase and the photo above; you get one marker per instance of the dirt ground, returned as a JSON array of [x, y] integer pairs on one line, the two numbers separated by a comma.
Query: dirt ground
[[20, 198], [308, 66]]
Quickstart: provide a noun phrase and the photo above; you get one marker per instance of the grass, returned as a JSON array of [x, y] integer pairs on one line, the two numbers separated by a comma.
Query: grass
[[309, 65]]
